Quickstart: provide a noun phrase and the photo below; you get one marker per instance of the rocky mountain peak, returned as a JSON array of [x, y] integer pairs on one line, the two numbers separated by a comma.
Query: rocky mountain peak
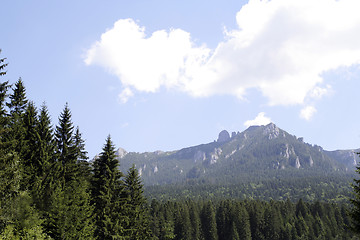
[[224, 136], [121, 152], [271, 130]]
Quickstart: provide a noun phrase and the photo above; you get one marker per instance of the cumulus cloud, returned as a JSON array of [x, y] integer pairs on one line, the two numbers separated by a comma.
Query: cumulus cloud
[[260, 119], [307, 112], [280, 47]]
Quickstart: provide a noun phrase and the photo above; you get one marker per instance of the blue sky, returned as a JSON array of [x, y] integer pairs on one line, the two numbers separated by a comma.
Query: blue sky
[[162, 75]]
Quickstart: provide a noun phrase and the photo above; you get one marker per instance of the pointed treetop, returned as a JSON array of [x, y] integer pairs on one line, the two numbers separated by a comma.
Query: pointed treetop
[[2, 65], [18, 99]]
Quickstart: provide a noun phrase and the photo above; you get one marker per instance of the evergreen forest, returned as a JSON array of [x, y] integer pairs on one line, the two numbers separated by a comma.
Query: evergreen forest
[[50, 190]]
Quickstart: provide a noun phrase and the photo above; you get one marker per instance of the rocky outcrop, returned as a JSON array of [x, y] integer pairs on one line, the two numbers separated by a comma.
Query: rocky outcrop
[[297, 163], [214, 156], [224, 136], [121, 152], [272, 131], [199, 156], [311, 161], [289, 150]]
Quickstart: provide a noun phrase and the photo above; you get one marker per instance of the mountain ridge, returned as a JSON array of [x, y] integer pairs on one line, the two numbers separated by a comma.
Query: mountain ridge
[[257, 149]]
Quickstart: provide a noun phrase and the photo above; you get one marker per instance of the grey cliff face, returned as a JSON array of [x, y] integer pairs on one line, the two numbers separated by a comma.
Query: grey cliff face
[[224, 136]]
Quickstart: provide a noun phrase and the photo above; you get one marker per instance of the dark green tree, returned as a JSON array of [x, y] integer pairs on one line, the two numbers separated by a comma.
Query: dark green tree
[[208, 222], [44, 161], [107, 194], [243, 223], [2, 66], [17, 106], [10, 167], [66, 151], [138, 225], [355, 201], [28, 154], [70, 214]]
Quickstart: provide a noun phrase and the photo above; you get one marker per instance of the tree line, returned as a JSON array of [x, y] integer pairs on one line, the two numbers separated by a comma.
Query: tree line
[[249, 219]]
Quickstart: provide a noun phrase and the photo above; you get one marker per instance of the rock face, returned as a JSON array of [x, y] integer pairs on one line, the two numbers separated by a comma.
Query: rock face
[[121, 152], [214, 156], [224, 136], [272, 130], [199, 156]]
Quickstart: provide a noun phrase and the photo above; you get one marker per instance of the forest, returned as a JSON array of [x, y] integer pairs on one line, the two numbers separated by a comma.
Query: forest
[[50, 190]]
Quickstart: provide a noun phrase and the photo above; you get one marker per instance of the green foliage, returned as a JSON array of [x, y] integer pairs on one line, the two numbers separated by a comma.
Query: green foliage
[[107, 194], [137, 226], [250, 220], [355, 201], [2, 65]]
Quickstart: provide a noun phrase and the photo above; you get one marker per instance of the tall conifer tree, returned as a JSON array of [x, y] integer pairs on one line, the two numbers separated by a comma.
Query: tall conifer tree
[[70, 212], [107, 194], [44, 161], [138, 226], [355, 211], [208, 222], [17, 106]]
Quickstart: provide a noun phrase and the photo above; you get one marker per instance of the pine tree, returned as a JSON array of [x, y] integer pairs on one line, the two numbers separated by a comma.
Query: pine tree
[[44, 161], [70, 214], [81, 156], [182, 223], [243, 223], [107, 191], [18, 218], [138, 225], [355, 201], [66, 152], [195, 221], [28, 154], [233, 232], [2, 65], [208, 222], [17, 106], [10, 168]]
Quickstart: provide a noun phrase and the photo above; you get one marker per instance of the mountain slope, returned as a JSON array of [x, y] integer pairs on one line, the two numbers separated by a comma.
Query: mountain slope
[[260, 152]]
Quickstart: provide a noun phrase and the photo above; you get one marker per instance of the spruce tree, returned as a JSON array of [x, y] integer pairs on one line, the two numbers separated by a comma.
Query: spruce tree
[[2, 65], [66, 152], [10, 168], [107, 194], [138, 225], [208, 222], [44, 164], [70, 215], [17, 106], [355, 201], [28, 154]]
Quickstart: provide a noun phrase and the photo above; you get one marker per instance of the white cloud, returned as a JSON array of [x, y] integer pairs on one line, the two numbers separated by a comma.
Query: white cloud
[[307, 112], [260, 119], [125, 95], [281, 47]]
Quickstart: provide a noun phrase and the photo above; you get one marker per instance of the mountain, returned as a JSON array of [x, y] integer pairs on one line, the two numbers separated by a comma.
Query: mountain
[[258, 153]]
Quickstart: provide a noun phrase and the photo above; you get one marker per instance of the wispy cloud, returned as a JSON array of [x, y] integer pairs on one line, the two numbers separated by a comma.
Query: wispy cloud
[[125, 95], [259, 120], [280, 47], [307, 112]]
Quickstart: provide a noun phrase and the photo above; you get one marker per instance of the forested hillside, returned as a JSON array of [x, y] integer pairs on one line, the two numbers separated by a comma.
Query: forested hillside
[[263, 162]]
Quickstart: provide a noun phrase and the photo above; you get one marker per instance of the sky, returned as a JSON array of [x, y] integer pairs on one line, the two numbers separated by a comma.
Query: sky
[[164, 75]]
